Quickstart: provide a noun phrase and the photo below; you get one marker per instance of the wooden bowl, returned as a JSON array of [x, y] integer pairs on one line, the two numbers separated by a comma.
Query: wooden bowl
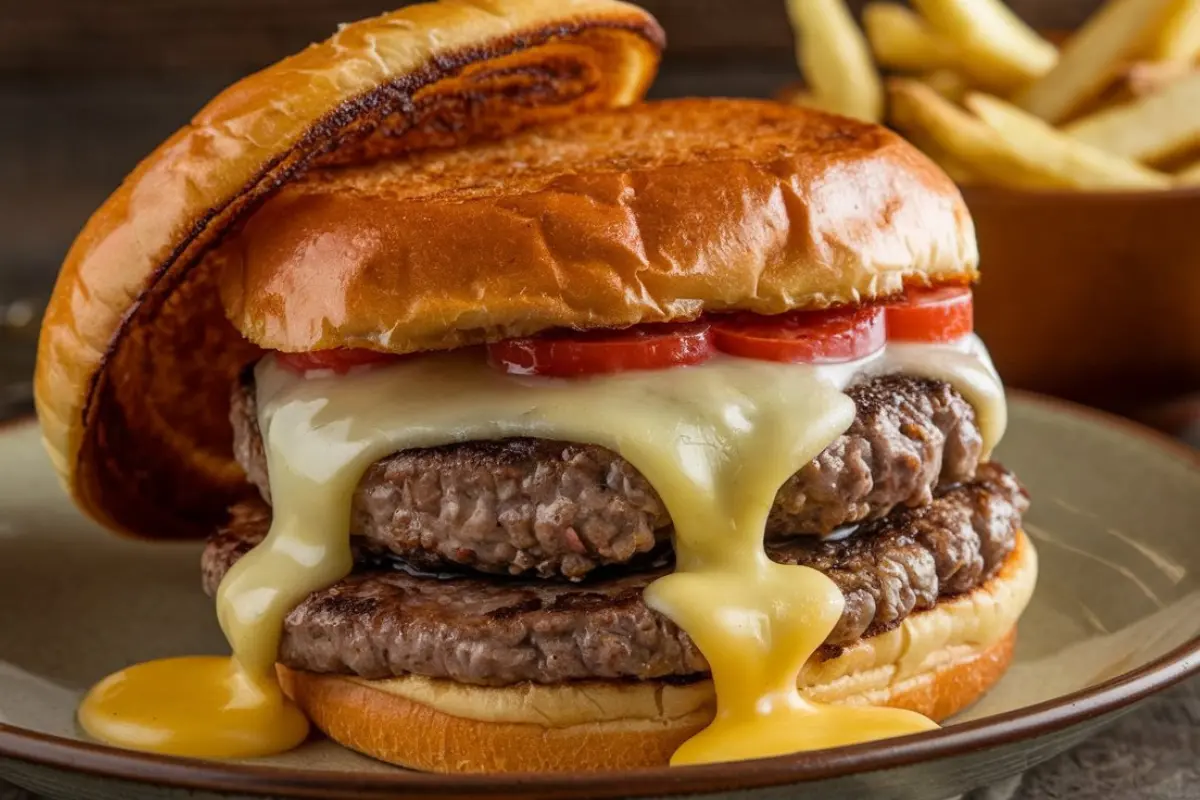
[[1093, 297]]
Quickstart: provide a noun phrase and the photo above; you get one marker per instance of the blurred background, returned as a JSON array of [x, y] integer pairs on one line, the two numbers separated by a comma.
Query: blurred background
[[90, 87]]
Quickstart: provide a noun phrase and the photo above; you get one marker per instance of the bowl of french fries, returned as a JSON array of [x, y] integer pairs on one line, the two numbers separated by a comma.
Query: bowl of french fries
[[1079, 156]]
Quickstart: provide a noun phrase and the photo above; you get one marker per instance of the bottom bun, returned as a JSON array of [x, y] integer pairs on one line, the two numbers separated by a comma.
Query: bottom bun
[[937, 662]]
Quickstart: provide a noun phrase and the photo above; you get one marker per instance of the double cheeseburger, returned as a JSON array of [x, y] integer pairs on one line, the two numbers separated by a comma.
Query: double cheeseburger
[[533, 426]]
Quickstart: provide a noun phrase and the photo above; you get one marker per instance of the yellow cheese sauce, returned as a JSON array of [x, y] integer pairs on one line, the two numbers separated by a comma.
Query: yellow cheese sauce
[[716, 441], [199, 706]]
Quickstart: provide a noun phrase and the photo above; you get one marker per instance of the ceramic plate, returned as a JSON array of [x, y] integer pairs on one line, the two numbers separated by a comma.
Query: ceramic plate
[[1116, 616]]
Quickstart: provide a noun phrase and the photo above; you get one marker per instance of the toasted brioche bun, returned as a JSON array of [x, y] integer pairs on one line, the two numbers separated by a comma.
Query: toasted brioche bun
[[652, 213], [409, 733], [136, 356], [936, 662]]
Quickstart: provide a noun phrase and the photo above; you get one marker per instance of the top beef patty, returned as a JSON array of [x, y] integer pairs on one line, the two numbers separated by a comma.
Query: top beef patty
[[520, 506]]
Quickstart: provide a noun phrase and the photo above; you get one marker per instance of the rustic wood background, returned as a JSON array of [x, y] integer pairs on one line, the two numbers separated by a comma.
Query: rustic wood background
[[69, 37], [89, 86]]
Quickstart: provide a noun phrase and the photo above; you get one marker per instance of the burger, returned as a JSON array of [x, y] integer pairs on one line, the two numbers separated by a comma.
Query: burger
[[533, 426]]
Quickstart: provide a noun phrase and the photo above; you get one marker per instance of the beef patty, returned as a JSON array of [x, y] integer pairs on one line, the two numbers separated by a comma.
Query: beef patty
[[379, 623], [548, 508]]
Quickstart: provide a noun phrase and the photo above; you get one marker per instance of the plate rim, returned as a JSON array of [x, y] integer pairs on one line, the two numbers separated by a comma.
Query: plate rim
[[1111, 696]]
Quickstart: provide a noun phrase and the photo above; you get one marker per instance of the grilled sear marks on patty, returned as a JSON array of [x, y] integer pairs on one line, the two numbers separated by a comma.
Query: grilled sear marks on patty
[[547, 508], [474, 629]]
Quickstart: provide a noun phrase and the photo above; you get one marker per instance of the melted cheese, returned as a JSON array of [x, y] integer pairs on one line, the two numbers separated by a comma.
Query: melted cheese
[[199, 706], [716, 441]]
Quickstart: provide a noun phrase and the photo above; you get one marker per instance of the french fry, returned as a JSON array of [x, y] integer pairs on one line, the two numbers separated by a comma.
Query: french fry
[[950, 84], [798, 95], [1151, 129], [1132, 81], [1189, 175], [1179, 39], [997, 48], [835, 59], [1084, 165], [1148, 77], [957, 171], [926, 117], [1113, 36], [901, 40]]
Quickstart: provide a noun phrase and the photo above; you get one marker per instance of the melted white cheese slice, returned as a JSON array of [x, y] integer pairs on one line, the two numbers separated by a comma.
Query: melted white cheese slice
[[716, 441]]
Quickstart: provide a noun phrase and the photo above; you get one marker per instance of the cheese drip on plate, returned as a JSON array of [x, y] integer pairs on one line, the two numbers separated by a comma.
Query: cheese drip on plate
[[715, 440]]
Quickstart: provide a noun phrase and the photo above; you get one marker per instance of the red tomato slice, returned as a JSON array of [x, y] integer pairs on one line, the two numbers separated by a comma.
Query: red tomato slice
[[941, 314], [339, 361], [569, 354], [803, 337]]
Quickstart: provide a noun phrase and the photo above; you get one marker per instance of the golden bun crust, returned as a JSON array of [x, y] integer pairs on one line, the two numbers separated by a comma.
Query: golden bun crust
[[410, 734], [651, 213], [136, 357], [936, 663]]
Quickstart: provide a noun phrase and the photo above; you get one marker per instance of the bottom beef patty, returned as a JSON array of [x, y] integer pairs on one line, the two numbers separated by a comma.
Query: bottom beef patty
[[385, 621]]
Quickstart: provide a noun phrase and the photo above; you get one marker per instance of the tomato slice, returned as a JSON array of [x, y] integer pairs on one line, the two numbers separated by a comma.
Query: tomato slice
[[570, 354], [803, 337], [940, 314], [340, 361]]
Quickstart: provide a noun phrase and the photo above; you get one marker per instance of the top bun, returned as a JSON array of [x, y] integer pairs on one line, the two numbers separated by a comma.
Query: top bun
[[653, 213], [136, 357]]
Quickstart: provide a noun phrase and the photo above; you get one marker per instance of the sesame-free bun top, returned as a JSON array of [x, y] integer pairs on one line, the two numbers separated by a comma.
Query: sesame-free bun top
[[651, 213], [136, 356]]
